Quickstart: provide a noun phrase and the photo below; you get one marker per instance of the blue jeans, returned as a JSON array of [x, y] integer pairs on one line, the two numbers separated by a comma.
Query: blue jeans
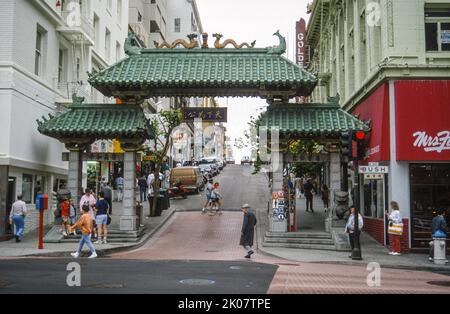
[[86, 238], [143, 194], [19, 222]]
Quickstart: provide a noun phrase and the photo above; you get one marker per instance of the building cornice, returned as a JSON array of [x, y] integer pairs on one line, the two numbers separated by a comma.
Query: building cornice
[[48, 11], [387, 73]]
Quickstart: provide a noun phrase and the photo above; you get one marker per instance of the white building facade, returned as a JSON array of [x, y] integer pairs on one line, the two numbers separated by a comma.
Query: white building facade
[[389, 60], [47, 49]]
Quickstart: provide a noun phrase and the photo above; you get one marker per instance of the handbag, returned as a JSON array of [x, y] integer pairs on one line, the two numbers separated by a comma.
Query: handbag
[[108, 219], [396, 229]]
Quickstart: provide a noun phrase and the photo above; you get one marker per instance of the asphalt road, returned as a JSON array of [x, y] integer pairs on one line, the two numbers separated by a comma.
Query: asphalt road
[[237, 186], [48, 276]]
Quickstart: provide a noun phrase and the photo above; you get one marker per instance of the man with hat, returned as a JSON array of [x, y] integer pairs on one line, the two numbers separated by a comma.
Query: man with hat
[[248, 230]]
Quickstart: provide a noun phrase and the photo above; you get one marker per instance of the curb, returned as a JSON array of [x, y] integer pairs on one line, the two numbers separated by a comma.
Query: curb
[[105, 252]]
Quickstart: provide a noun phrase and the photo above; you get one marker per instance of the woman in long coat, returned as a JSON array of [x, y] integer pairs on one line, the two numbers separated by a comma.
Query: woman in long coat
[[248, 230]]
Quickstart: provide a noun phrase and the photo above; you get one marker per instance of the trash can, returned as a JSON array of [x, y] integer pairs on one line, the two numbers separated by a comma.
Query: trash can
[[439, 251], [159, 205], [166, 201]]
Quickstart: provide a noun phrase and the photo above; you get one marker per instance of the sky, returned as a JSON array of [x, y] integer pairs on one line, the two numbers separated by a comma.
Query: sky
[[245, 21]]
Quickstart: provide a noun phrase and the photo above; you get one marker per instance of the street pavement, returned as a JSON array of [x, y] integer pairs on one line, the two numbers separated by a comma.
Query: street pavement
[[197, 253]]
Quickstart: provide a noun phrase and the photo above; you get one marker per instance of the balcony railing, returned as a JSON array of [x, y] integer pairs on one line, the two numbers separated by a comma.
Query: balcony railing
[[82, 25]]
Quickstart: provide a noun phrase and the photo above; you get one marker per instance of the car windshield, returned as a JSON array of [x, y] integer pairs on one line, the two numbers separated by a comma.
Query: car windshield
[[207, 161]]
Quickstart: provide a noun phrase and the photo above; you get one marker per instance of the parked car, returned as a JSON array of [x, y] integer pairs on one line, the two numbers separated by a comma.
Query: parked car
[[230, 161], [190, 177], [212, 163], [246, 161], [206, 169]]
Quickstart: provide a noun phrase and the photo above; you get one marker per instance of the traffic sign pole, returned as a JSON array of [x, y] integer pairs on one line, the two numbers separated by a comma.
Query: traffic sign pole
[[41, 229]]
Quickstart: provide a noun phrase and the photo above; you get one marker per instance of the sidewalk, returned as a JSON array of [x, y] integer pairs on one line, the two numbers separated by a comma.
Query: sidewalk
[[372, 251], [29, 245]]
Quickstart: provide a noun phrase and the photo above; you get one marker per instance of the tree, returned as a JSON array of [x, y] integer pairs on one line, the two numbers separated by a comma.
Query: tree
[[162, 125]]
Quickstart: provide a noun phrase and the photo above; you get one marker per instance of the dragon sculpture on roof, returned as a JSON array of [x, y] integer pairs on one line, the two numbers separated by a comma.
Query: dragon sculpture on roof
[[188, 45], [219, 45]]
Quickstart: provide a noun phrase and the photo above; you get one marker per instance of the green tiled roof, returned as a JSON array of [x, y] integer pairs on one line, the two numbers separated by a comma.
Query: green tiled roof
[[99, 121], [204, 72], [311, 119]]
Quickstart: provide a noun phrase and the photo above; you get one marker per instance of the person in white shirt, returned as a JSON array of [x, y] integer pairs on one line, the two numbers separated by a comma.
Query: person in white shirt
[[17, 216], [150, 179], [90, 200], [350, 226]]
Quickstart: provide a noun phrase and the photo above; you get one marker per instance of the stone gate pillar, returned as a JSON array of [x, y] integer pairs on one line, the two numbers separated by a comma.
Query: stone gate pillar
[[128, 219], [277, 170], [75, 172], [335, 173]]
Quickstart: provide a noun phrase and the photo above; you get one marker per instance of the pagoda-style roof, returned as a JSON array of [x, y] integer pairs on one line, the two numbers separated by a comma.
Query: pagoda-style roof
[[204, 72], [97, 121], [311, 120]]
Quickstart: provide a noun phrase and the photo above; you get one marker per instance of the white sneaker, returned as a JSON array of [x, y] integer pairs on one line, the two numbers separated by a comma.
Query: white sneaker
[[203, 210], [391, 253], [93, 255], [75, 255], [396, 254], [74, 233], [64, 233], [105, 242], [430, 259], [98, 242]]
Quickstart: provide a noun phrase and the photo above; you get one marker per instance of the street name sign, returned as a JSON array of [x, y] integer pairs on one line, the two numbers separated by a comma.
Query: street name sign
[[373, 170]]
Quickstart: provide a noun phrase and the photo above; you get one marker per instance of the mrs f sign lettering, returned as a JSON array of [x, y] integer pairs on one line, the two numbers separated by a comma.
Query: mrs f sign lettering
[[429, 143]]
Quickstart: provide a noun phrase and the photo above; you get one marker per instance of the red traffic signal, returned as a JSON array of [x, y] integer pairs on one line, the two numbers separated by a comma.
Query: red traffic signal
[[360, 135]]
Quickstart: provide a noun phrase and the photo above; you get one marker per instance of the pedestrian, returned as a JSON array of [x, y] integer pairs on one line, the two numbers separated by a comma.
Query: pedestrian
[[248, 230], [86, 226], [119, 184], [395, 229], [17, 217], [65, 213], [439, 229], [350, 226], [325, 196], [107, 192], [72, 215], [142, 183], [308, 187], [298, 187], [208, 189], [150, 180], [101, 218], [89, 199], [216, 197]]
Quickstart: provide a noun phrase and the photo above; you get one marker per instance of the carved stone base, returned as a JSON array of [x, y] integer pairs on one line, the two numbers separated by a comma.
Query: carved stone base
[[129, 223]]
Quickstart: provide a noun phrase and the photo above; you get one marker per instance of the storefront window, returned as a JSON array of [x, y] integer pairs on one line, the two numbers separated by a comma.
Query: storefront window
[[373, 198], [39, 185], [430, 190], [27, 188]]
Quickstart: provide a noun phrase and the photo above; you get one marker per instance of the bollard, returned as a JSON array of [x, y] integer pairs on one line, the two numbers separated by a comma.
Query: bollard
[[439, 251]]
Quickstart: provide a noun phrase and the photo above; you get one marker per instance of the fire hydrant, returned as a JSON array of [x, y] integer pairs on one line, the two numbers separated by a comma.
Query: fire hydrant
[[439, 251]]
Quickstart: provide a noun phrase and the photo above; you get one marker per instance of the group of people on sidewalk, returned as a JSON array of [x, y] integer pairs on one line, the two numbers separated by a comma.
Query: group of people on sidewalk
[[146, 183], [439, 229]]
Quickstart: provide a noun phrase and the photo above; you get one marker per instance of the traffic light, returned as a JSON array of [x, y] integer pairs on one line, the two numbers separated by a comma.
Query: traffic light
[[347, 145], [360, 137]]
